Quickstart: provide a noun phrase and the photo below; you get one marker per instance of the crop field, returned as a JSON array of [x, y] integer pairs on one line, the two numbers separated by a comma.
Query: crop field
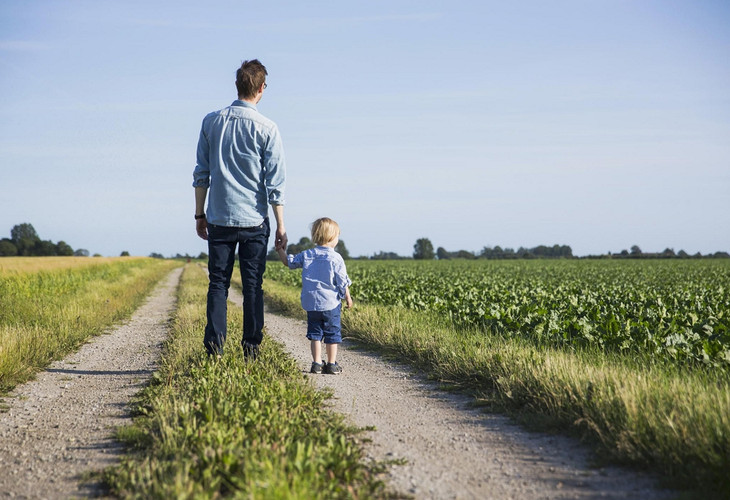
[[676, 310], [51, 305], [630, 355]]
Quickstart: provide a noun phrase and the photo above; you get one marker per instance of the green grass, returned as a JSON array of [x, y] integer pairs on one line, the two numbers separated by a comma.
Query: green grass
[[634, 410], [46, 314], [678, 310], [210, 428]]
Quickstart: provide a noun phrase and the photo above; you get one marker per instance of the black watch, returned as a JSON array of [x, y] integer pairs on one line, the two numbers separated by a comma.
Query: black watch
[[201, 216]]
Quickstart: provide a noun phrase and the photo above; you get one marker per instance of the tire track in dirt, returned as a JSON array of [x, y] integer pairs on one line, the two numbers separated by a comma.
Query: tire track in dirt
[[59, 426], [453, 451]]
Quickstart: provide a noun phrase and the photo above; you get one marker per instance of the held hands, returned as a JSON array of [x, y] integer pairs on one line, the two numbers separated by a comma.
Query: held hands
[[281, 239]]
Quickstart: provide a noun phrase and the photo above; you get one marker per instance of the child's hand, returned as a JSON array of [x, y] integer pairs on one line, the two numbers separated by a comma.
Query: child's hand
[[348, 300]]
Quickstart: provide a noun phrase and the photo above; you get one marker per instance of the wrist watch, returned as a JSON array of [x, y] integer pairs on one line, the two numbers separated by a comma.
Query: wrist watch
[[201, 216]]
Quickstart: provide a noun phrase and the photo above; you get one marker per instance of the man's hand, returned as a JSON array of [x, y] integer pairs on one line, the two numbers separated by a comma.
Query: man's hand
[[201, 227], [281, 239]]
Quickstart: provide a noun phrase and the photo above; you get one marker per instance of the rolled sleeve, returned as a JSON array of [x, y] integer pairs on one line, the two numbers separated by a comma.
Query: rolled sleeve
[[201, 174], [275, 168]]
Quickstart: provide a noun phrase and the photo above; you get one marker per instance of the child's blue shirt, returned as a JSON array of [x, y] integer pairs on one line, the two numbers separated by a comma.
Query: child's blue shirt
[[324, 278]]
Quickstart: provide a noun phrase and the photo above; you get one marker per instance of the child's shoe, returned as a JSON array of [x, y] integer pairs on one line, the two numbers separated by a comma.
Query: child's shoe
[[332, 368], [316, 368]]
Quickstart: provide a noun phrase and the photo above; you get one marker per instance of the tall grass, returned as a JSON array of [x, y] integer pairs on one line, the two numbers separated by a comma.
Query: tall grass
[[18, 265], [45, 314], [635, 410], [212, 428]]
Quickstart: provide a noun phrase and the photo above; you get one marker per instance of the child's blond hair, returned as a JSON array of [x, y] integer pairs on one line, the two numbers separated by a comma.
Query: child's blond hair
[[324, 230]]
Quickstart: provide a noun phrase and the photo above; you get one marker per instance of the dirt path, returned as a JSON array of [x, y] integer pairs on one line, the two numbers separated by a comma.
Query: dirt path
[[453, 451], [59, 425]]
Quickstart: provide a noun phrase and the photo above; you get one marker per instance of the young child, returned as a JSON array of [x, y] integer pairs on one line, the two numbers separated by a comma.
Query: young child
[[324, 284]]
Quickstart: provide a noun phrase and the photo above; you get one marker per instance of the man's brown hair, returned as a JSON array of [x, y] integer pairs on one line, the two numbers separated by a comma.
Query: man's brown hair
[[249, 78]]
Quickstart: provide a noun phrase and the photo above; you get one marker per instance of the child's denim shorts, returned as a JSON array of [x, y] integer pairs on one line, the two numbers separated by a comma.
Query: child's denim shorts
[[325, 325]]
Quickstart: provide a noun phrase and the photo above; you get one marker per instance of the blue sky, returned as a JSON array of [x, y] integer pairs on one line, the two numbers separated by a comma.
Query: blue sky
[[596, 124]]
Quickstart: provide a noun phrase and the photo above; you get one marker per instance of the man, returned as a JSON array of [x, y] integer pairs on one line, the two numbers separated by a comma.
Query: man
[[241, 161]]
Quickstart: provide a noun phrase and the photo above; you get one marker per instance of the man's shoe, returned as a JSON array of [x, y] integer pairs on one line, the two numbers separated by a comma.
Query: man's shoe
[[332, 369], [250, 351], [316, 368]]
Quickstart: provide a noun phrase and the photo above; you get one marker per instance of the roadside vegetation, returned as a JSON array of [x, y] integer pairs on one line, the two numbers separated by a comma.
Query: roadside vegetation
[[659, 400], [222, 427], [49, 306]]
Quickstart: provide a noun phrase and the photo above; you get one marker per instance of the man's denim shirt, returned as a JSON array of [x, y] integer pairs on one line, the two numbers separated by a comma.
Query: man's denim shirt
[[324, 278], [241, 160]]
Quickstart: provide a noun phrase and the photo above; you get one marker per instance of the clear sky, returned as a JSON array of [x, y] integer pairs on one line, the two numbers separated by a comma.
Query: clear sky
[[598, 124]]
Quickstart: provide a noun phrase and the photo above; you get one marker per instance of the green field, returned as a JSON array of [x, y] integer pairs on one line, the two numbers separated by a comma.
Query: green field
[[676, 310], [630, 355]]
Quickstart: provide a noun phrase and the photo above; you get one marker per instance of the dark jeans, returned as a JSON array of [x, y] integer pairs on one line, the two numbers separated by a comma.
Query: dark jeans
[[222, 242]]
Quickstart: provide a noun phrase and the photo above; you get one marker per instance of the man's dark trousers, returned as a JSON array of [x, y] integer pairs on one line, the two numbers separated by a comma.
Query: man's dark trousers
[[222, 242]]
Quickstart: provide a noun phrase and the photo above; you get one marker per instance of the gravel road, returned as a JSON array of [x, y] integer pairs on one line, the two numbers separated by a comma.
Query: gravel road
[[59, 426], [454, 451]]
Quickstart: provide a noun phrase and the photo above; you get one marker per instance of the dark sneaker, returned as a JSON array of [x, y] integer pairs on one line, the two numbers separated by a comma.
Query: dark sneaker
[[316, 368], [332, 369], [250, 351]]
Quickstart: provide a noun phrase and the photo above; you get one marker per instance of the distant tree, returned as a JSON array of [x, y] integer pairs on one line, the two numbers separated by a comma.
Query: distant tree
[[465, 254], [81, 252], [304, 244], [7, 248], [386, 256], [203, 256], [24, 237], [43, 248], [682, 254], [635, 251], [423, 249], [721, 255], [99, 255], [342, 250], [668, 253], [156, 255], [62, 248], [442, 253], [124, 254]]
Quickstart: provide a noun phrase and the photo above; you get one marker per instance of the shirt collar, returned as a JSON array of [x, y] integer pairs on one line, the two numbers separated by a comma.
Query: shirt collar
[[328, 249], [243, 104]]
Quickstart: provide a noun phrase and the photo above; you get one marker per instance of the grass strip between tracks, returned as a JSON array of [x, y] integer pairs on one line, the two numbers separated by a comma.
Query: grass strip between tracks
[[209, 428], [649, 414], [49, 306]]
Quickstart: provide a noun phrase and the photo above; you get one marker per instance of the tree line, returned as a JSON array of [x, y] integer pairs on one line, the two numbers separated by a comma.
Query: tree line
[[24, 241], [423, 250]]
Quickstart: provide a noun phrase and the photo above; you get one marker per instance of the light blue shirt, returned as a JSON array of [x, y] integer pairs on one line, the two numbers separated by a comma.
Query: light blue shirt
[[241, 160], [324, 278]]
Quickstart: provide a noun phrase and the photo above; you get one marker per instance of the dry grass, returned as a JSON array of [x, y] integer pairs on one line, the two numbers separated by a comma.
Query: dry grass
[[35, 264], [48, 313]]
